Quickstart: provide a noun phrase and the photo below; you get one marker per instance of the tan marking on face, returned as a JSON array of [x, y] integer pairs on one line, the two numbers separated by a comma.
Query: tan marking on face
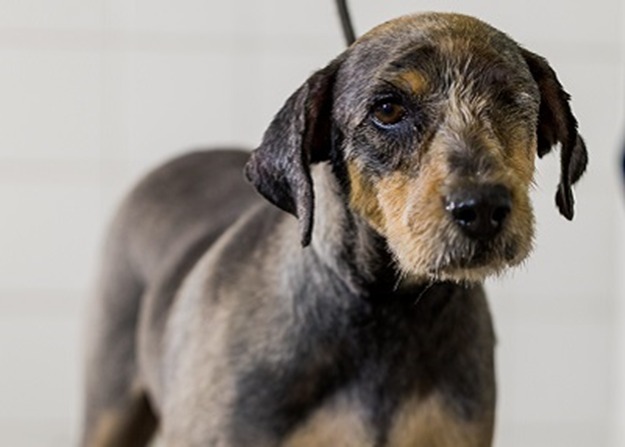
[[518, 175], [363, 197], [414, 214], [412, 80], [337, 426], [522, 155], [430, 423]]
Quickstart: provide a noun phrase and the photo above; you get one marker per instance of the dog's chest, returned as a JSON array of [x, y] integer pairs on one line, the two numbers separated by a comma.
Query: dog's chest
[[371, 382]]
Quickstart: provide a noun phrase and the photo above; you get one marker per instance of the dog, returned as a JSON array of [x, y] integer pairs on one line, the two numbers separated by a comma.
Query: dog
[[338, 301]]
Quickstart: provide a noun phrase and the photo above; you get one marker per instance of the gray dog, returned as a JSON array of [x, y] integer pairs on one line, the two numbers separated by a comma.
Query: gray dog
[[224, 321]]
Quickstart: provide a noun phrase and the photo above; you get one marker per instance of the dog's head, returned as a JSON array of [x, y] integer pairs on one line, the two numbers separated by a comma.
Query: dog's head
[[432, 122]]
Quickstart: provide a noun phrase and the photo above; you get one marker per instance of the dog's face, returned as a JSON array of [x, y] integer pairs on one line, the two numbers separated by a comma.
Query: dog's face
[[435, 122]]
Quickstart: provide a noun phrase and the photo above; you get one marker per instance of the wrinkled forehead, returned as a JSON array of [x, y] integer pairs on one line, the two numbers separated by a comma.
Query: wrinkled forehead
[[439, 47]]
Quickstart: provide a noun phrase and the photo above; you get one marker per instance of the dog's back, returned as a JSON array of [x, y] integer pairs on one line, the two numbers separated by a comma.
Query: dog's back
[[162, 228], [181, 208]]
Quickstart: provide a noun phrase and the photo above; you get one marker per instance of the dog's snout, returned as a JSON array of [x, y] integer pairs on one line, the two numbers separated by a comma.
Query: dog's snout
[[480, 211]]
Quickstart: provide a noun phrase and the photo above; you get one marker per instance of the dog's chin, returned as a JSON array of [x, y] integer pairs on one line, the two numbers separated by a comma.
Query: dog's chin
[[468, 274], [469, 263]]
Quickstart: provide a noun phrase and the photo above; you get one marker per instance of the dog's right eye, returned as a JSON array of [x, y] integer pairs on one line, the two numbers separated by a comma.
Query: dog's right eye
[[388, 112]]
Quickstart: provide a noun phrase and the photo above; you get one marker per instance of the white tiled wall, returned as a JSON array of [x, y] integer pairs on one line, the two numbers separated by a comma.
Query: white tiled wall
[[95, 92]]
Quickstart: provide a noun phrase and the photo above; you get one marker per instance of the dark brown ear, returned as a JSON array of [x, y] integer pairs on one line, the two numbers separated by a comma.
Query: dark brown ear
[[556, 124], [298, 136]]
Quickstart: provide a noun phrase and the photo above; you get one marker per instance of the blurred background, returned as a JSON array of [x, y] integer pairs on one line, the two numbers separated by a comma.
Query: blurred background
[[95, 92]]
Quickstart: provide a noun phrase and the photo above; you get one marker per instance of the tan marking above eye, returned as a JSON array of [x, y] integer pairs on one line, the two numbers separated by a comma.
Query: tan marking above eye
[[412, 80]]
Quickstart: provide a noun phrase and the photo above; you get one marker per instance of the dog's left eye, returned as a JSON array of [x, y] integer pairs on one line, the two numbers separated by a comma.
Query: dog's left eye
[[388, 112]]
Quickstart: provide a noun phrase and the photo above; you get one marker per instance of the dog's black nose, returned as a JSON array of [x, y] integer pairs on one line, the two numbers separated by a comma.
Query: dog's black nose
[[480, 211]]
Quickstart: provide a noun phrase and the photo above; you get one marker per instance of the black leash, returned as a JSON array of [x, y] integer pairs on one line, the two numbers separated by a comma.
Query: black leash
[[346, 22]]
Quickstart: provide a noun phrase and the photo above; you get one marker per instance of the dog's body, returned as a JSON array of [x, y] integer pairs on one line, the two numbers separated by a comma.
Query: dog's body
[[214, 322]]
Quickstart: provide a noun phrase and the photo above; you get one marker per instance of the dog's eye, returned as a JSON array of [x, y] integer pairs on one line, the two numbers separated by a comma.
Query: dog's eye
[[388, 112]]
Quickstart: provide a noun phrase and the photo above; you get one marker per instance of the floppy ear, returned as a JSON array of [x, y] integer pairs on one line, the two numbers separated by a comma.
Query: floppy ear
[[298, 136], [556, 124]]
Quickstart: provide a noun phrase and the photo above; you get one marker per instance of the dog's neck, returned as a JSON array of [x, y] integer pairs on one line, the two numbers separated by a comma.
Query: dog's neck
[[343, 241]]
